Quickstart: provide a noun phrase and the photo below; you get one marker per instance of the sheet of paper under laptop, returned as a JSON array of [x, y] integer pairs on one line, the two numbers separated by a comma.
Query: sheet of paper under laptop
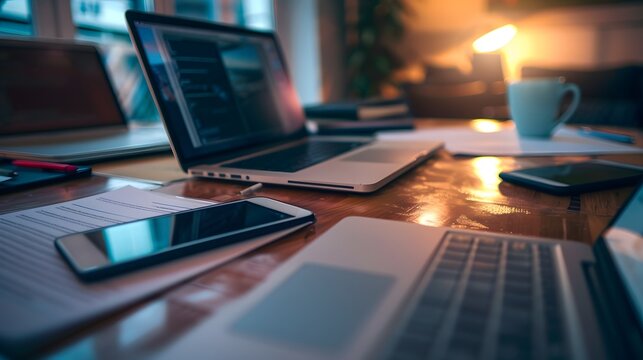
[[41, 298]]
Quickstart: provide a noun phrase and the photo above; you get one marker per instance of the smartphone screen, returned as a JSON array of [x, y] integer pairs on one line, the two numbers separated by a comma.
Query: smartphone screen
[[120, 244], [582, 173]]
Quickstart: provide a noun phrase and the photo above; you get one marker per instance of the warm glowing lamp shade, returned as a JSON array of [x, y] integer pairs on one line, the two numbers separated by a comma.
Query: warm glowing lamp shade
[[495, 39]]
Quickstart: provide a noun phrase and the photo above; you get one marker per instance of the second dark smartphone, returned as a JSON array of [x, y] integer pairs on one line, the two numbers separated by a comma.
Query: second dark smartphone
[[575, 178]]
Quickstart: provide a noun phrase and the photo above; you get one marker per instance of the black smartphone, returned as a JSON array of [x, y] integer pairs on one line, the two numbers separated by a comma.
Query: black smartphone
[[569, 179], [117, 249]]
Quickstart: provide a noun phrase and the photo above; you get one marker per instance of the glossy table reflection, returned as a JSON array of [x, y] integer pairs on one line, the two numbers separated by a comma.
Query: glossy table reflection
[[459, 192]]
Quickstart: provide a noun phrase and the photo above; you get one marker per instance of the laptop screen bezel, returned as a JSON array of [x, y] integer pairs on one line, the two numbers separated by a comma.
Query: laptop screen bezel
[[71, 46], [191, 156], [617, 295]]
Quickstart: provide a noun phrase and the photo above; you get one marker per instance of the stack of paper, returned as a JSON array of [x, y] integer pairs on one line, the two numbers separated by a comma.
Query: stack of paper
[[40, 296], [506, 142]]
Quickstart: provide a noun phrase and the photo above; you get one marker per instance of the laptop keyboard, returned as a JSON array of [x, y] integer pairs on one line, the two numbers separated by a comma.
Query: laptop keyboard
[[487, 298], [296, 157]]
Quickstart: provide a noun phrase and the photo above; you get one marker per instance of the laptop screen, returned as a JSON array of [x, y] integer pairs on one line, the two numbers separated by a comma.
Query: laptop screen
[[218, 87], [624, 242], [53, 86]]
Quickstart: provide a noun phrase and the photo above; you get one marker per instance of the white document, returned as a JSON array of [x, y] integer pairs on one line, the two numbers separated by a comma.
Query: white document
[[467, 141], [40, 296]]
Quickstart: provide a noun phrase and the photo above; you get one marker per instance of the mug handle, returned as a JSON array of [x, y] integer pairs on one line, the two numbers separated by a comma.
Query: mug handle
[[575, 90]]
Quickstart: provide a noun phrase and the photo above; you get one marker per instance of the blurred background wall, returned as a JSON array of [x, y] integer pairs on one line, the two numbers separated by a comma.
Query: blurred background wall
[[582, 35]]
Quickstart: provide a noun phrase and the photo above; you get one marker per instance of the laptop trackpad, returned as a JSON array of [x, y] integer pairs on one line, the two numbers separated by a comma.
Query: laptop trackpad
[[319, 307], [382, 155]]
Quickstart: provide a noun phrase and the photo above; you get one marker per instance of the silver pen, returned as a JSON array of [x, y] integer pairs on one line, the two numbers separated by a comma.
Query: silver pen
[[251, 189]]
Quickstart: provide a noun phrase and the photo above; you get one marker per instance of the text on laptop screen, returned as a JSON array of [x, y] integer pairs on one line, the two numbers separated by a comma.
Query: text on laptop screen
[[219, 89], [624, 239], [53, 87]]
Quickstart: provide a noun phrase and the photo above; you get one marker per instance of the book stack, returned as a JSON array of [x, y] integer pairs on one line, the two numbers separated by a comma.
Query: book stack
[[363, 117]]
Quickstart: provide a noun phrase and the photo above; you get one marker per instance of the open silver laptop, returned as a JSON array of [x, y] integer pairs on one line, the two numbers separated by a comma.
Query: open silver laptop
[[232, 112], [380, 289], [57, 104]]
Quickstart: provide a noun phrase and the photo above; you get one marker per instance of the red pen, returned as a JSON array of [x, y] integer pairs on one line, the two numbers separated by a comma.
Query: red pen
[[45, 165]]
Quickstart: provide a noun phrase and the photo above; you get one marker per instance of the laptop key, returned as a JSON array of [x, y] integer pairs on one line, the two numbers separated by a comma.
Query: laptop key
[[489, 251], [439, 286], [464, 346], [451, 265], [487, 258], [455, 247], [438, 292], [412, 347], [514, 347], [485, 277], [429, 315], [418, 327], [471, 322], [484, 267], [455, 256], [460, 238], [488, 241], [476, 306], [518, 288], [524, 277], [519, 247]]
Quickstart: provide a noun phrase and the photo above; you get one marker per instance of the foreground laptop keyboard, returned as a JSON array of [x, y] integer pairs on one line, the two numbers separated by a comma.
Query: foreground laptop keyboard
[[487, 298], [296, 157]]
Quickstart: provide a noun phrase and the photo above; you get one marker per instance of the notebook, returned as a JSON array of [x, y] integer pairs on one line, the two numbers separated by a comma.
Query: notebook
[[380, 289], [57, 104], [232, 113]]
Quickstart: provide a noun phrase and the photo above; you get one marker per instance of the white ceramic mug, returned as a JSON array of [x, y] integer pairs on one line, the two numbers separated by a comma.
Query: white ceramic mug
[[535, 104]]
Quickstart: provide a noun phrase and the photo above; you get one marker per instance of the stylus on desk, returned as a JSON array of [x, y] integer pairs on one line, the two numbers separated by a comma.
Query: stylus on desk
[[622, 138], [251, 190]]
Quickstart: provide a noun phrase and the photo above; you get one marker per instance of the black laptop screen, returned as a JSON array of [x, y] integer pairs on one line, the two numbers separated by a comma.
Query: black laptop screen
[[53, 86], [624, 242], [218, 88]]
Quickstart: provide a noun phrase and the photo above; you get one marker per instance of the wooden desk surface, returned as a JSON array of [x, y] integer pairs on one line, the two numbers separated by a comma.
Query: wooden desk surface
[[459, 192]]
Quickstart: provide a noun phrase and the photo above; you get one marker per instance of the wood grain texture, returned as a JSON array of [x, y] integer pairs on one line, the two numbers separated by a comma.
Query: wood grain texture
[[162, 168], [459, 192], [65, 191]]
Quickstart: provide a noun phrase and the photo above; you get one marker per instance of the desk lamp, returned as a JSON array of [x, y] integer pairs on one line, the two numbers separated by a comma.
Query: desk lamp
[[495, 39], [448, 92], [487, 59]]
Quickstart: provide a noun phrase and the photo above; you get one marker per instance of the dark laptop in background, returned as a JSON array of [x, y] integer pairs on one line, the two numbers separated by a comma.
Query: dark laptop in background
[[57, 104], [232, 113]]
